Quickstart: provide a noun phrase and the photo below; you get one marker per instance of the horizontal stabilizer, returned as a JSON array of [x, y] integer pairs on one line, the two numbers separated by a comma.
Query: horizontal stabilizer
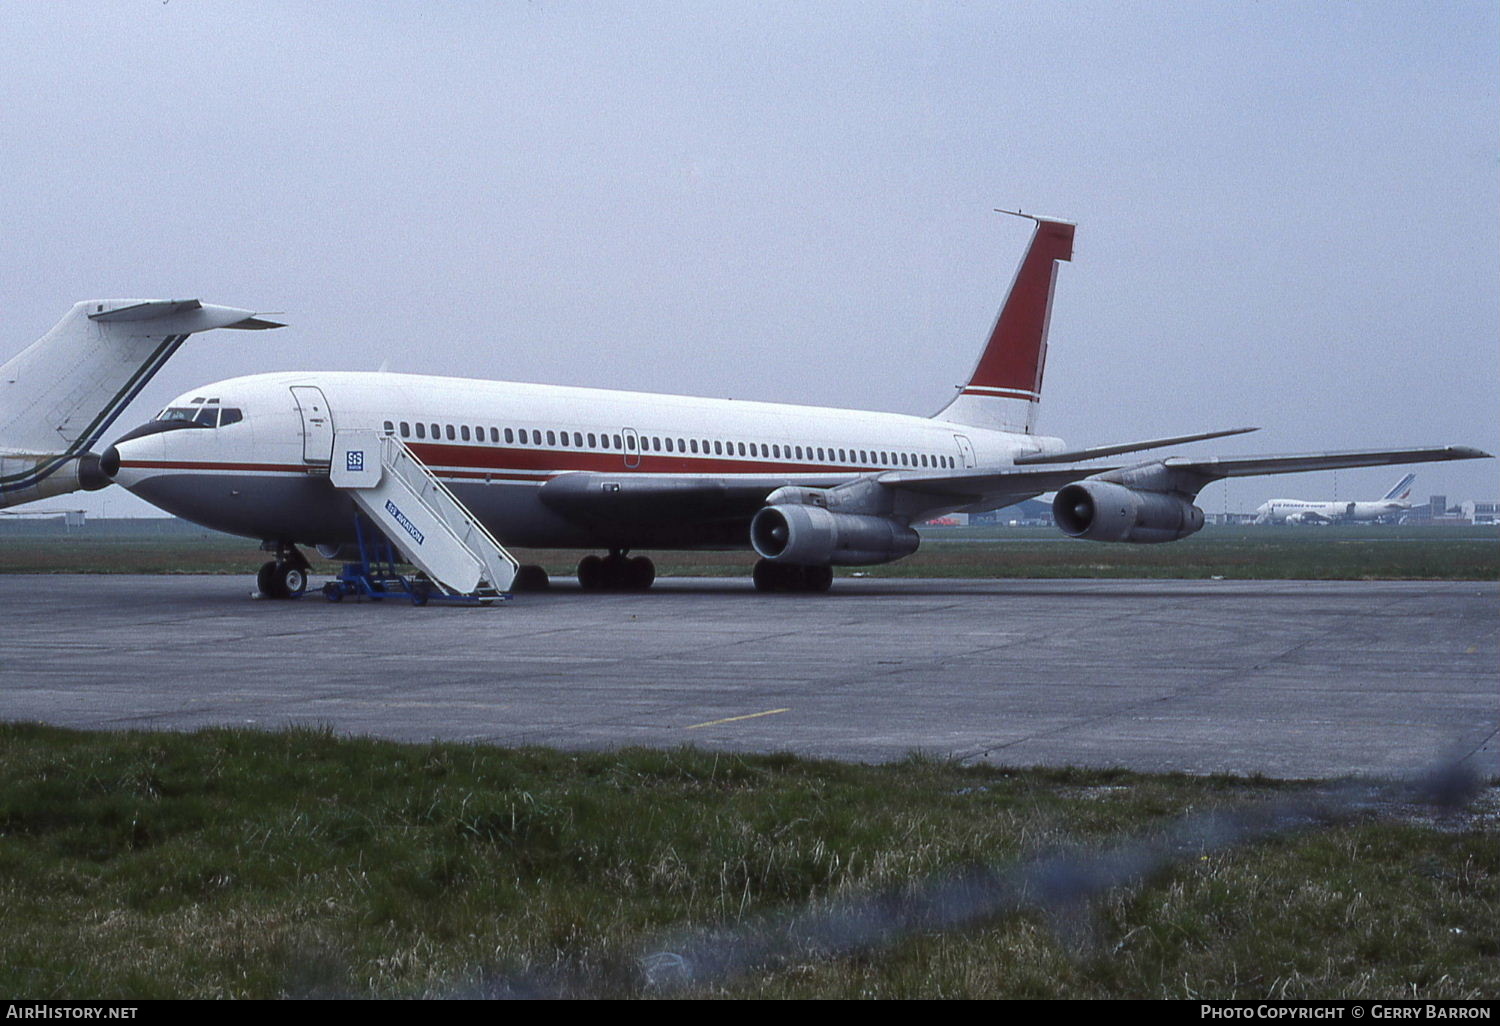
[[175, 316]]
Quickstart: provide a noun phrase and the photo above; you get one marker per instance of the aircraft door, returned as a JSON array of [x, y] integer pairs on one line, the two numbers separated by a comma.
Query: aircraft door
[[317, 424], [966, 449], [632, 449]]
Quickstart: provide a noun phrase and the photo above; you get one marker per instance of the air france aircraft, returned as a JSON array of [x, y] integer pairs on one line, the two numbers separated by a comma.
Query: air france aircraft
[[1306, 511], [807, 488], [60, 394]]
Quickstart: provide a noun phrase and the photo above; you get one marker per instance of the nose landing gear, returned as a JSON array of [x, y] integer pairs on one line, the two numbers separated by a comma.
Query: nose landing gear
[[616, 572], [284, 577]]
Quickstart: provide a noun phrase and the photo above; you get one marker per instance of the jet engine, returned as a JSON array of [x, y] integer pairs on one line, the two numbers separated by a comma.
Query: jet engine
[[814, 536], [28, 478], [1103, 511]]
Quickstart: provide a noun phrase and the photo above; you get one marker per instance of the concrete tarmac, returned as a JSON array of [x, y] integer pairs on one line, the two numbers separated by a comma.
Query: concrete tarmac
[[1283, 678]]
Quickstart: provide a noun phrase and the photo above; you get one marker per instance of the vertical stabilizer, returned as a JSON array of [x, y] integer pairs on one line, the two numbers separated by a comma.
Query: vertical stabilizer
[[1006, 385], [1401, 491]]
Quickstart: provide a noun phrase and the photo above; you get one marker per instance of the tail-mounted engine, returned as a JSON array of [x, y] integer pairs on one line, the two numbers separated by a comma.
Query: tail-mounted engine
[[1104, 511], [797, 527], [28, 478]]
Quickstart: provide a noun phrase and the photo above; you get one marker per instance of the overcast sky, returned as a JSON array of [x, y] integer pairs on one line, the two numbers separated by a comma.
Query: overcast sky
[[1288, 213]]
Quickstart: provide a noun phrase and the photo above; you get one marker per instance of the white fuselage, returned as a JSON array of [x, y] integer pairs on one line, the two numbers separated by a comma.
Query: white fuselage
[[264, 472], [1295, 511]]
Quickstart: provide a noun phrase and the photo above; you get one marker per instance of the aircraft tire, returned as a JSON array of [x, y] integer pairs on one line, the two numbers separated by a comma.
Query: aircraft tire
[[269, 582], [530, 577], [291, 580], [640, 573], [591, 573], [768, 576], [615, 571], [771, 577], [817, 578]]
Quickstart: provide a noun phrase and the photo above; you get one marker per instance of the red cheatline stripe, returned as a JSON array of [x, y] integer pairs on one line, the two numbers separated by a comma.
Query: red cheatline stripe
[[475, 462]]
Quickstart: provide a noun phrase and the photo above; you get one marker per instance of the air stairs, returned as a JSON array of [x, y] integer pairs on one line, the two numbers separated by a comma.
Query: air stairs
[[426, 522]]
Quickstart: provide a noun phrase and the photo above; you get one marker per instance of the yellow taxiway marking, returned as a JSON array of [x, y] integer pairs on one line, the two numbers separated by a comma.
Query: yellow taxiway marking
[[732, 719]]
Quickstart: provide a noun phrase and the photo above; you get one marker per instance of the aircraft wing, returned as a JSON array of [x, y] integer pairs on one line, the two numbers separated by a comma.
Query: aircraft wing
[[1188, 474], [624, 499]]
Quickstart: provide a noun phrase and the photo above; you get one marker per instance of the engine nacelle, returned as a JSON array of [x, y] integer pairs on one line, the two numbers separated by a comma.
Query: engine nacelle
[[813, 536], [1102, 511], [80, 474]]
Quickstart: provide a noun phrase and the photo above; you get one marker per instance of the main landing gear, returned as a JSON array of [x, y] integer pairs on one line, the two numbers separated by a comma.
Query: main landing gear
[[284, 577], [790, 577], [616, 572]]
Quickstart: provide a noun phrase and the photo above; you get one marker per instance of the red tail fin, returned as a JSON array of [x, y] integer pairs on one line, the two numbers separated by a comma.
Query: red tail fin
[[1007, 383]]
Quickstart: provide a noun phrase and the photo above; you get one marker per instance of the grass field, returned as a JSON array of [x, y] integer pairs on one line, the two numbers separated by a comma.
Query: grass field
[[1343, 553], [235, 864]]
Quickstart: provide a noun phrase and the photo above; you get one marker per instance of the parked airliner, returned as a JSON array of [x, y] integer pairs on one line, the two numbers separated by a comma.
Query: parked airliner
[[1313, 511], [61, 393], [807, 488]]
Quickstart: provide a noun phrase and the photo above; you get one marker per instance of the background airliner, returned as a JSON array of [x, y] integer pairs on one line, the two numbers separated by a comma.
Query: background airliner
[[808, 488], [1312, 511]]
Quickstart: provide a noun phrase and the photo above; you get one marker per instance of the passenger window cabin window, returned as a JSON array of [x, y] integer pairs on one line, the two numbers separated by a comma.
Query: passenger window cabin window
[[629, 442], [463, 430], [564, 438], [619, 445], [421, 430], [718, 448], [510, 436], [437, 432], [593, 444], [693, 444], [742, 448], [405, 429], [390, 428], [551, 438], [578, 439], [656, 443]]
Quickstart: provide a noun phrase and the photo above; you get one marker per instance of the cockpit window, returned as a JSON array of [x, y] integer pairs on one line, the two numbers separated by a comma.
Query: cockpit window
[[202, 416]]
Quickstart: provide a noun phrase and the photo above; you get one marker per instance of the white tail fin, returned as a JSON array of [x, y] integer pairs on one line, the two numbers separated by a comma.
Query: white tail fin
[[1402, 489], [1006, 385], [60, 394]]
